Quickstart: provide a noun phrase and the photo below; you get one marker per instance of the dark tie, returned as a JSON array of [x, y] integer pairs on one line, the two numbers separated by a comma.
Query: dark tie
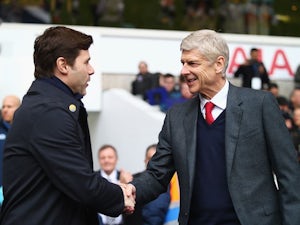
[[208, 109]]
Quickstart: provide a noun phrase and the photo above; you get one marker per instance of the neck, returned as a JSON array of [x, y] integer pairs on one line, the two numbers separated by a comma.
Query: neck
[[213, 90]]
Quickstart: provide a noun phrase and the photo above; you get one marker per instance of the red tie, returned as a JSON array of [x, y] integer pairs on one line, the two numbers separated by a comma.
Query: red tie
[[208, 109]]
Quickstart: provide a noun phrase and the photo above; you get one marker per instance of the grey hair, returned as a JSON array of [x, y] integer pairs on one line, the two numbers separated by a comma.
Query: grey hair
[[210, 44]]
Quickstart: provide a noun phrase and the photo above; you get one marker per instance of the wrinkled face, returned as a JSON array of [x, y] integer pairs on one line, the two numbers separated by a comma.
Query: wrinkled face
[[9, 106], [200, 74], [107, 160], [80, 72]]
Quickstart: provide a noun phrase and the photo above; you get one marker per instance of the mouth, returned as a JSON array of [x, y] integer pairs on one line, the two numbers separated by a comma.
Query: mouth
[[190, 80]]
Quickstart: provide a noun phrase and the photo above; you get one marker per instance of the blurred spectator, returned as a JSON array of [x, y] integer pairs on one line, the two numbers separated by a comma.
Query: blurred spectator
[[274, 89], [284, 108], [108, 158], [25, 12], [260, 16], [173, 212], [296, 131], [167, 11], [231, 16], [199, 14], [166, 95], [108, 12], [10, 11], [10, 104], [295, 98], [144, 81], [154, 212], [297, 77], [253, 72]]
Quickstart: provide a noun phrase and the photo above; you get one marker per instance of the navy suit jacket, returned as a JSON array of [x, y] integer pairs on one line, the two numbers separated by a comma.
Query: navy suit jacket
[[48, 175], [257, 144]]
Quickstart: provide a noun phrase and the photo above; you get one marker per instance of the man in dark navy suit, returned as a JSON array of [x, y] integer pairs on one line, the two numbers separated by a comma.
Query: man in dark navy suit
[[48, 170]]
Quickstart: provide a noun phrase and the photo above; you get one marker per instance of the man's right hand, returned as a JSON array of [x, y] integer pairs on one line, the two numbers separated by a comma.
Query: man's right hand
[[129, 197]]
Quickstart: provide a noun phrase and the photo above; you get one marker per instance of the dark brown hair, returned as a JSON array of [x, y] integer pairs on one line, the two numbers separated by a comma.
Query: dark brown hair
[[55, 42]]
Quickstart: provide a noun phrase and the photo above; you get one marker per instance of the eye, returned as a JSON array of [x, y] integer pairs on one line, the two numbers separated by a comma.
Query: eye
[[193, 64]]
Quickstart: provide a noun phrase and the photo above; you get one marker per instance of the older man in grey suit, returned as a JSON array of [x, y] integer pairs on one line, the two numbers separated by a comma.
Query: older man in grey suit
[[226, 159]]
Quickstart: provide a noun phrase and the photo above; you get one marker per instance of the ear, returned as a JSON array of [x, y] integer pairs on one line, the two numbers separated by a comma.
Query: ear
[[62, 65], [219, 64]]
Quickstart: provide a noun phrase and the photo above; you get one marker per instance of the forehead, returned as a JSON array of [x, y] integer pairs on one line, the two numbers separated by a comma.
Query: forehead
[[194, 54], [9, 101], [107, 151], [83, 55]]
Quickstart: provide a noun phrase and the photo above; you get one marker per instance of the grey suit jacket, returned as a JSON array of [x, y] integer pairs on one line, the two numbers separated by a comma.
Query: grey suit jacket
[[257, 145]]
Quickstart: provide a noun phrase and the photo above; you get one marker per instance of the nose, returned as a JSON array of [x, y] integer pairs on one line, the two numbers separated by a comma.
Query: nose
[[184, 70], [91, 70]]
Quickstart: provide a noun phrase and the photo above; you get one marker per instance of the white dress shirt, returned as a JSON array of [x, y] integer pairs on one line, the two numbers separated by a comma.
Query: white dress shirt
[[113, 178], [219, 100]]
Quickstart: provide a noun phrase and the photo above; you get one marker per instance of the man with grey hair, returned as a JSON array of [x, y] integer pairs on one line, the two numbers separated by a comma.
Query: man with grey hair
[[226, 146]]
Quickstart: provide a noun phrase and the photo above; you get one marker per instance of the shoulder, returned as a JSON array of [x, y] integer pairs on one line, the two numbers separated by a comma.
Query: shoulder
[[44, 97], [185, 106], [249, 97]]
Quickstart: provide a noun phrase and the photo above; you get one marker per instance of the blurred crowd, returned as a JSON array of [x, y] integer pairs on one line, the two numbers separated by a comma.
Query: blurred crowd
[[230, 16]]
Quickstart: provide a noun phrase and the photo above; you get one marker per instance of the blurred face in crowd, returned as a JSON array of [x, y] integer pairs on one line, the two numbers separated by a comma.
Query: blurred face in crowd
[[201, 75], [296, 117], [169, 83], [295, 98], [143, 68], [274, 91], [107, 160], [149, 154], [79, 74], [254, 55], [9, 106]]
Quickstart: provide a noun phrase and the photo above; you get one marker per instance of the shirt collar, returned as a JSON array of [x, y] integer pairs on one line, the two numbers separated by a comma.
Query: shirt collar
[[219, 100], [111, 177]]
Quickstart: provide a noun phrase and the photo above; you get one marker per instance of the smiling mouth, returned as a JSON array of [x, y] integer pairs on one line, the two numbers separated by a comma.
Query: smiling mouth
[[191, 80]]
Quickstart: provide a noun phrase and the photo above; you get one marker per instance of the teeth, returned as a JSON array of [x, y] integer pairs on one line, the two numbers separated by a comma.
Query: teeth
[[191, 80]]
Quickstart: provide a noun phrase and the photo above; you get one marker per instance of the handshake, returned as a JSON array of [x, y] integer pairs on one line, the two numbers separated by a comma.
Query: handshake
[[129, 197]]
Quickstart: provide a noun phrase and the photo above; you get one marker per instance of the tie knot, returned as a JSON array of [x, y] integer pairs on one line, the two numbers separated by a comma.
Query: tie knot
[[209, 106]]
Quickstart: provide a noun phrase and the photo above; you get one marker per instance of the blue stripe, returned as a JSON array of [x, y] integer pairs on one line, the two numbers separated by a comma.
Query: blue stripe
[[172, 214]]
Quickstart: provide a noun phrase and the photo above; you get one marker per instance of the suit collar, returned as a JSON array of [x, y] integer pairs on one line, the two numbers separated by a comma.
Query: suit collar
[[233, 123], [190, 126]]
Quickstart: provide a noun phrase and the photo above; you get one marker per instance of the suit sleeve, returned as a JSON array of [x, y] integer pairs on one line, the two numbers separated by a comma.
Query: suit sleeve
[[160, 169], [284, 161], [57, 145]]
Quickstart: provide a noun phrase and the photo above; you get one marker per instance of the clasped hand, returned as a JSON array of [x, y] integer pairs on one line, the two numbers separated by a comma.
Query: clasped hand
[[129, 197]]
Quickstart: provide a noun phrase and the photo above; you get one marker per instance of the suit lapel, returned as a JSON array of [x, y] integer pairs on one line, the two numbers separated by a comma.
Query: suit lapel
[[232, 127], [190, 128]]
